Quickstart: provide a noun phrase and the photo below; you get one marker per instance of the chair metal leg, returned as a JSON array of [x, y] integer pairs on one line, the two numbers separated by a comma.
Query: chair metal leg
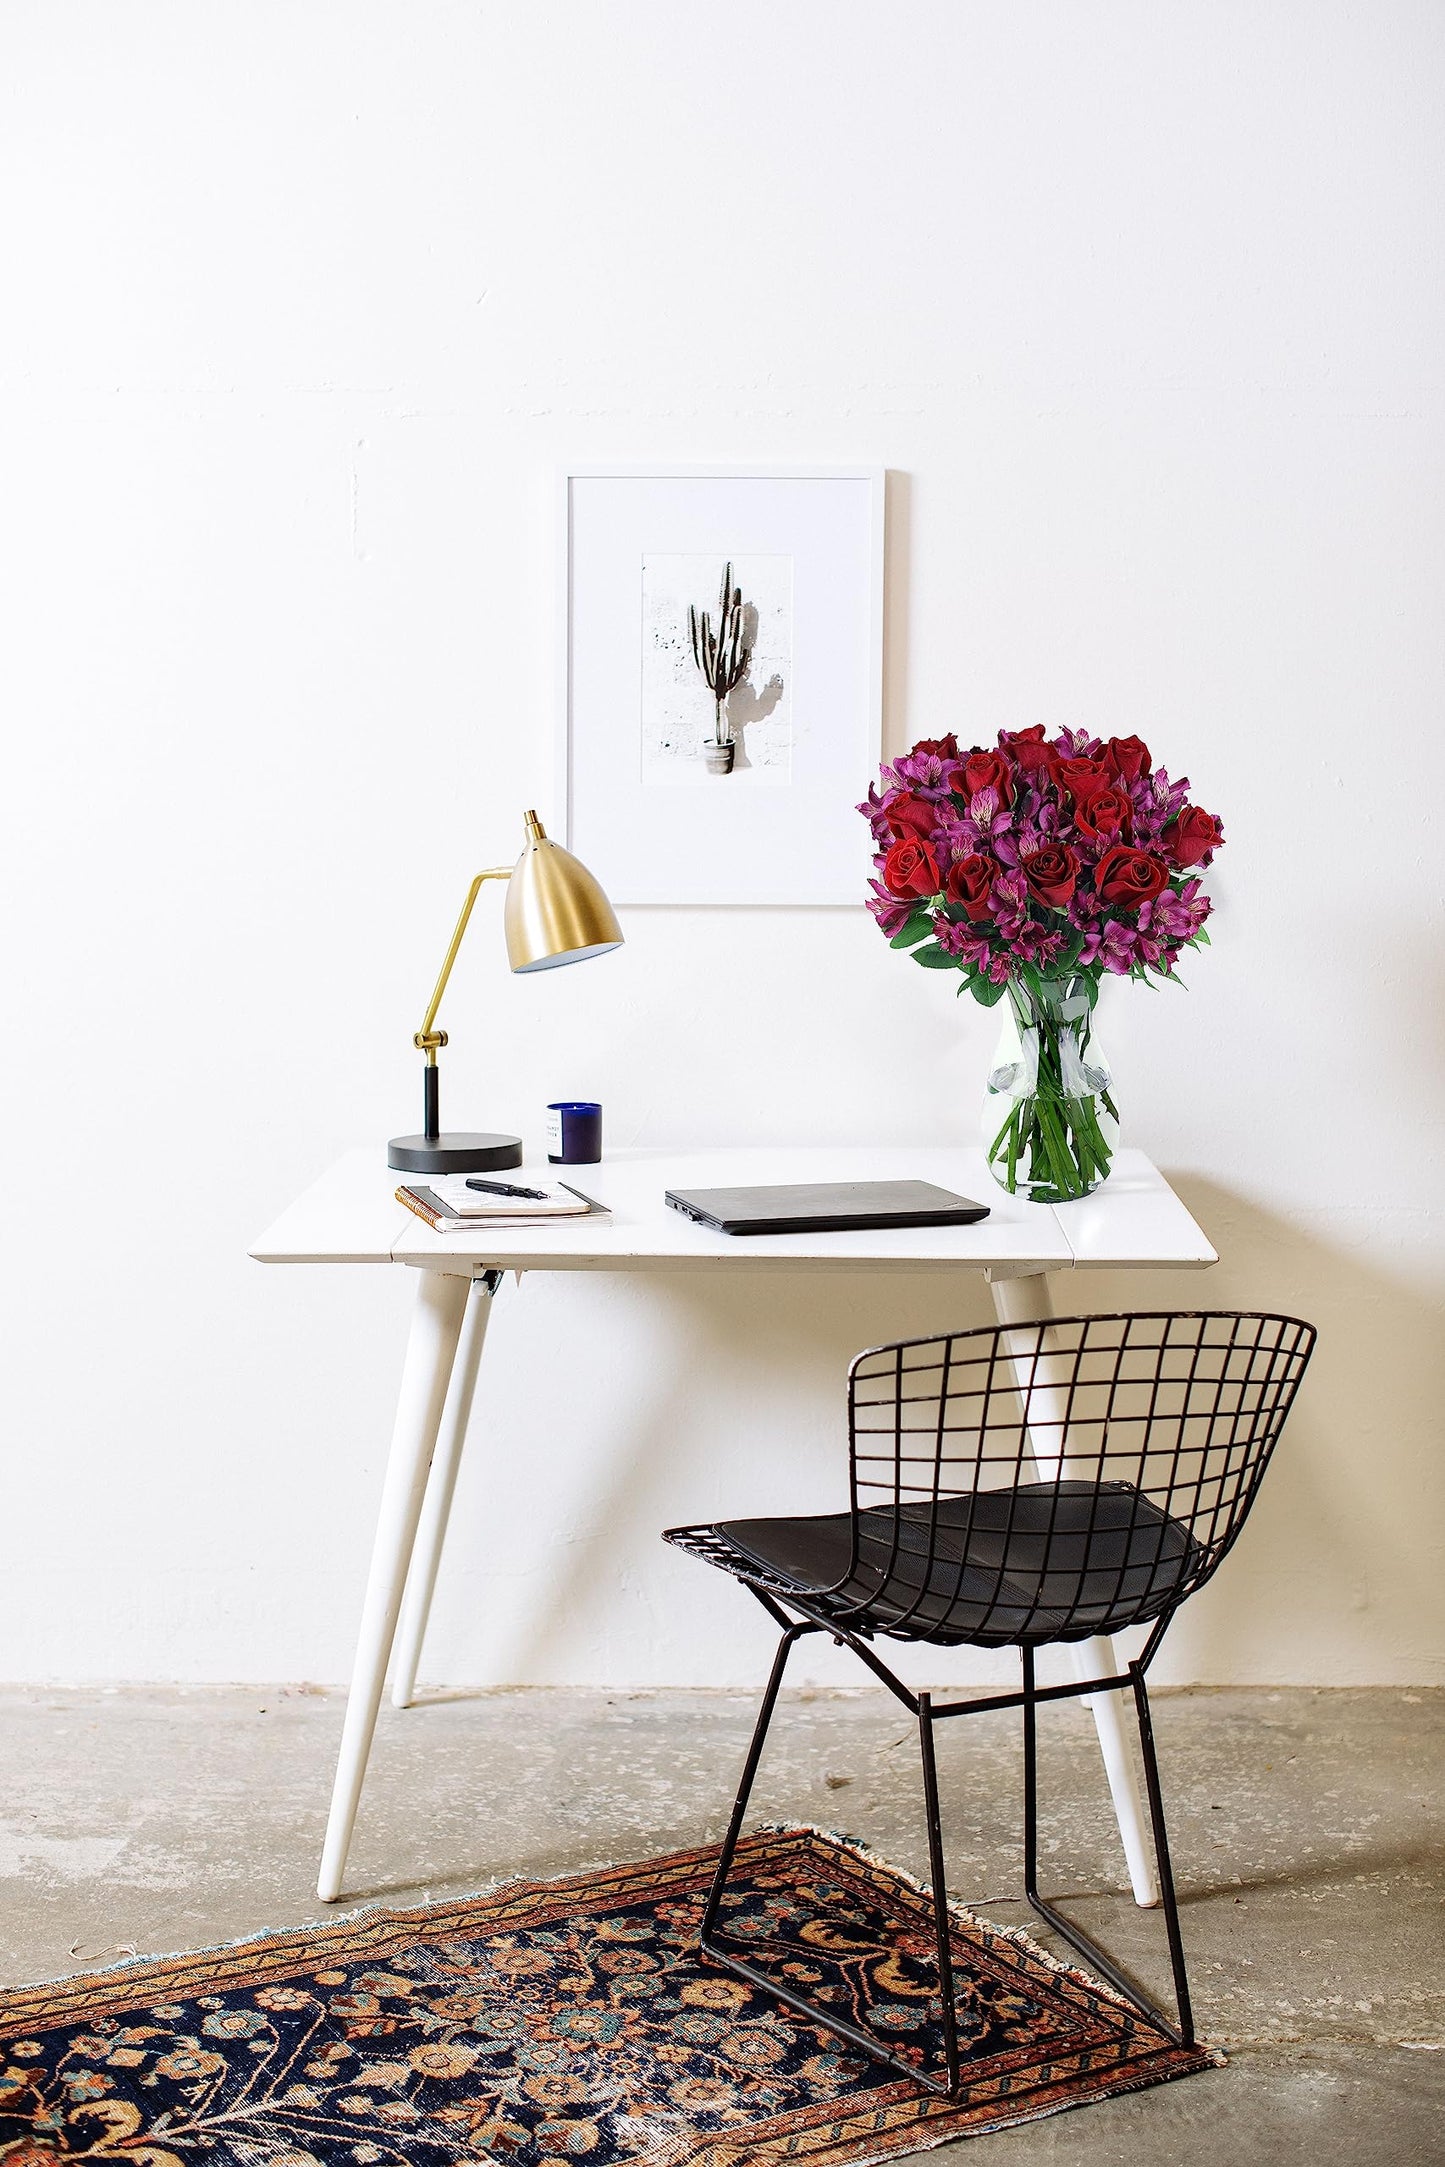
[[948, 2014], [750, 1769], [1031, 1783], [1183, 2033], [710, 1947], [1161, 1850]]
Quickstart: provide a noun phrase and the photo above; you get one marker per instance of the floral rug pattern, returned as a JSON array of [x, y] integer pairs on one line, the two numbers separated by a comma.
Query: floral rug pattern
[[564, 2020]]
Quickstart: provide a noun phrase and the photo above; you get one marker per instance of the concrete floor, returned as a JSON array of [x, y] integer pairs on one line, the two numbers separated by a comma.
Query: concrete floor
[[1305, 1826]]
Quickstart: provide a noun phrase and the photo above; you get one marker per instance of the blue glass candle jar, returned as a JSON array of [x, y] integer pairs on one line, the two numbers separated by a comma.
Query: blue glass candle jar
[[574, 1132]]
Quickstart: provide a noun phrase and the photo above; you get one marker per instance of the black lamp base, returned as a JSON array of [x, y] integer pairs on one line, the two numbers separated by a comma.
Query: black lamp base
[[456, 1151]]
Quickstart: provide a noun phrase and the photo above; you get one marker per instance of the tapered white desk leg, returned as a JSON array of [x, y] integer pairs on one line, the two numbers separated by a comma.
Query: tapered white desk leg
[[436, 1510], [441, 1300], [1026, 1301]]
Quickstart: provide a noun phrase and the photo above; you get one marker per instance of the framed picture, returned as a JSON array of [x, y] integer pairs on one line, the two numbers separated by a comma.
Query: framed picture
[[722, 680]]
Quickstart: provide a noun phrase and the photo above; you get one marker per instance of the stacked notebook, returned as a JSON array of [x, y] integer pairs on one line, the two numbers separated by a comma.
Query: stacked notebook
[[450, 1207]]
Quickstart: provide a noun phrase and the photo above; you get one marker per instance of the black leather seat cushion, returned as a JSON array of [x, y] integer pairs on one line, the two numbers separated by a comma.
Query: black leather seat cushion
[[1045, 1561]]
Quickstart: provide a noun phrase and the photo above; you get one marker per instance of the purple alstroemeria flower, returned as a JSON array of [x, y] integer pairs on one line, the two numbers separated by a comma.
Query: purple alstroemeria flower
[[973, 948], [926, 771], [1109, 942], [987, 825], [1156, 800], [1175, 918], [1034, 943], [1010, 896], [892, 915], [875, 811], [1078, 745], [1198, 906], [1166, 919], [1045, 820], [1029, 841], [957, 937], [953, 837], [1118, 948]]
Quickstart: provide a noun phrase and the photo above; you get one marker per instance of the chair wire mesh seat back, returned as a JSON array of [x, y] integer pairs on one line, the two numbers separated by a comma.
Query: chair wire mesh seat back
[[1021, 1485]]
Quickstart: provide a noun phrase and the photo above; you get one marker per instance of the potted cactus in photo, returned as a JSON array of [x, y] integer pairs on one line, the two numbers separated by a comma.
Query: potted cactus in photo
[[722, 656]]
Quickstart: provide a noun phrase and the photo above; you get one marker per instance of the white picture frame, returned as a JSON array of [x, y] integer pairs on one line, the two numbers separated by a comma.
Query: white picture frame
[[641, 803]]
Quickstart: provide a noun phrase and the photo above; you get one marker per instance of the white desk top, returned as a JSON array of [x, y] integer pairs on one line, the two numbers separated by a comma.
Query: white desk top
[[350, 1216]]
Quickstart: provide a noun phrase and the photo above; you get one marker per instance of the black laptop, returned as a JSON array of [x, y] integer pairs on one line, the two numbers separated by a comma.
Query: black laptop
[[825, 1207]]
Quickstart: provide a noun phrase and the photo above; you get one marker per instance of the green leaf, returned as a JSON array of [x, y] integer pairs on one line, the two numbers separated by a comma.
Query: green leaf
[[935, 959], [986, 993], [918, 928]]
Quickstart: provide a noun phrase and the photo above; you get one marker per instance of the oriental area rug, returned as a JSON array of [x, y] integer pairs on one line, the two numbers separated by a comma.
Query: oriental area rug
[[565, 2020]]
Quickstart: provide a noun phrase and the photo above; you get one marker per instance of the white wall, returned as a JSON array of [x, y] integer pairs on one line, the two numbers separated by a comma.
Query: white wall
[[1141, 306]]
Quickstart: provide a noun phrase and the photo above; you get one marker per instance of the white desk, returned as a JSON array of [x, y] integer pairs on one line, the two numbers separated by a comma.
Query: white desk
[[350, 1216]]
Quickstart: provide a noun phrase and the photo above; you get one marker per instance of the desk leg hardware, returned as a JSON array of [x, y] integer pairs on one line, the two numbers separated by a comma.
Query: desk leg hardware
[[441, 1301], [1026, 1301], [436, 1511]]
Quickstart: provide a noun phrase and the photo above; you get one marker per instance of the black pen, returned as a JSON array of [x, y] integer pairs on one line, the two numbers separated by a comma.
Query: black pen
[[505, 1188]]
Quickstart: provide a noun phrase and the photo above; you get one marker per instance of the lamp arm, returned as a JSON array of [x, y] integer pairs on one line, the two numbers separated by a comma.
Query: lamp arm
[[427, 1040]]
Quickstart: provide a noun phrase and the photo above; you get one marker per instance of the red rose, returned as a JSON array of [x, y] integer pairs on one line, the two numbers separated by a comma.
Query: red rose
[[1029, 751], [908, 815], [1102, 814], [942, 748], [1191, 838], [984, 771], [1052, 874], [970, 882], [1130, 876], [1129, 757], [1081, 778], [910, 868]]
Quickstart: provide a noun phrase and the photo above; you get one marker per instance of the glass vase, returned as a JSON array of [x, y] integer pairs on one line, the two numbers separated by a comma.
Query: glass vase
[[1050, 1125]]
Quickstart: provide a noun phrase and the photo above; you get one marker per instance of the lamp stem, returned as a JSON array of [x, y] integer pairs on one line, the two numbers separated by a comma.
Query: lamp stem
[[495, 872], [431, 1102]]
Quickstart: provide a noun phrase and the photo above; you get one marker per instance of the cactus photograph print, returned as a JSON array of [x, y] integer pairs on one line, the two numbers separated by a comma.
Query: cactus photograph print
[[720, 680], [717, 666]]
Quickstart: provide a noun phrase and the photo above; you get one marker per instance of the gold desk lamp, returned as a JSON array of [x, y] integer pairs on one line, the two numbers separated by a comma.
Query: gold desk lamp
[[555, 913]]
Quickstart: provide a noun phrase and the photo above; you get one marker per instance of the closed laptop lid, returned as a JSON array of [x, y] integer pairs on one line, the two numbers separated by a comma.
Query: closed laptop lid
[[807, 1206]]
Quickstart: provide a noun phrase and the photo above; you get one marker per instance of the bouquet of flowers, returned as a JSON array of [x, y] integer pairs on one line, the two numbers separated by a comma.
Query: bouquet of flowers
[[1031, 868]]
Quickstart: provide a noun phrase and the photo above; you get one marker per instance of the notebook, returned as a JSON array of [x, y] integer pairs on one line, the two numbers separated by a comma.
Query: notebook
[[448, 1205]]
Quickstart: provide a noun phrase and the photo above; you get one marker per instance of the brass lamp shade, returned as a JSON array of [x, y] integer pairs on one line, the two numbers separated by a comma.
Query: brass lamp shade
[[555, 911]]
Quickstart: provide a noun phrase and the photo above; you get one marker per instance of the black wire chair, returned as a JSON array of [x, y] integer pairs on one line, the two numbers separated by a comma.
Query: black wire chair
[[1014, 1487]]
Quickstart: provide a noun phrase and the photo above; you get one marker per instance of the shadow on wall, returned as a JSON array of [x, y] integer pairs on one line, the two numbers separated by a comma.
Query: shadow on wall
[[897, 514], [1337, 1576]]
